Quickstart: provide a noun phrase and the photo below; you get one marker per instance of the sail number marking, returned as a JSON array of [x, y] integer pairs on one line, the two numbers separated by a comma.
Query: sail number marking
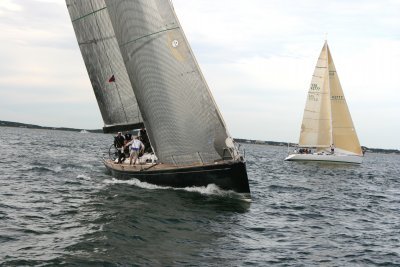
[[315, 87], [337, 97], [313, 94]]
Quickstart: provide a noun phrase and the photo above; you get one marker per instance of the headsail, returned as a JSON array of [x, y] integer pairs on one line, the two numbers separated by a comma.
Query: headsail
[[344, 133], [179, 112], [104, 64], [316, 128], [326, 118]]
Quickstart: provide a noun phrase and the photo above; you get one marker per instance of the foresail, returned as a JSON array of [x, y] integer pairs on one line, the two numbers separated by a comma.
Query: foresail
[[344, 134], [316, 128], [106, 69], [182, 119]]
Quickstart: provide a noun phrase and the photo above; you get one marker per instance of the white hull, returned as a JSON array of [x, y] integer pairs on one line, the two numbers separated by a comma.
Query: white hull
[[341, 158]]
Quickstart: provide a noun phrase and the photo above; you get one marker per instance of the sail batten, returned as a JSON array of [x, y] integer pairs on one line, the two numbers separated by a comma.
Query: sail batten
[[86, 15], [148, 35]]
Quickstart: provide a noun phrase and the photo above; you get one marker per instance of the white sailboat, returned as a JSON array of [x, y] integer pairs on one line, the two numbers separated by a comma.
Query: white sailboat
[[327, 131]]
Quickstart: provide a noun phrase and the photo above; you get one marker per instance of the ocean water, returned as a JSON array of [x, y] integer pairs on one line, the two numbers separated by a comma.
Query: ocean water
[[58, 207]]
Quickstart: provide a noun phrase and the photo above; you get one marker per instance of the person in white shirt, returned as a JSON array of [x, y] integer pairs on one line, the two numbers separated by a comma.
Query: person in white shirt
[[135, 148]]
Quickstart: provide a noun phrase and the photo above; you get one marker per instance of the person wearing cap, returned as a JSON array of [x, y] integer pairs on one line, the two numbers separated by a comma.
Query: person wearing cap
[[119, 145], [136, 147]]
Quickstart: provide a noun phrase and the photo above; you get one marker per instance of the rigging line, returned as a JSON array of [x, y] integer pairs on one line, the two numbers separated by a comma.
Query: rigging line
[[91, 13], [147, 35], [108, 59]]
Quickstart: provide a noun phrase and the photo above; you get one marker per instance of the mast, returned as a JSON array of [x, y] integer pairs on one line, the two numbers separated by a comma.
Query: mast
[[329, 90]]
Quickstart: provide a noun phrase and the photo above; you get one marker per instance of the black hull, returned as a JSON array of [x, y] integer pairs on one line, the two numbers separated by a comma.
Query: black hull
[[228, 176]]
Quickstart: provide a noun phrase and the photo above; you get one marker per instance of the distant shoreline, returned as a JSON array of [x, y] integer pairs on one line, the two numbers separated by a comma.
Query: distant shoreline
[[239, 140], [33, 126], [285, 144]]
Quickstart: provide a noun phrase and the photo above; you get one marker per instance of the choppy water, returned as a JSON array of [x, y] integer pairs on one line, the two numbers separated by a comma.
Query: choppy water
[[59, 207]]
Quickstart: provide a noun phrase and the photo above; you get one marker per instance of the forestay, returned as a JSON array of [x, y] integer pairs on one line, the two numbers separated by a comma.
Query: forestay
[[104, 64], [179, 112]]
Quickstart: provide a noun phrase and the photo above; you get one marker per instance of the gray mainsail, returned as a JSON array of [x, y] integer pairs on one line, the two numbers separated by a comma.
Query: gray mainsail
[[179, 112], [105, 66]]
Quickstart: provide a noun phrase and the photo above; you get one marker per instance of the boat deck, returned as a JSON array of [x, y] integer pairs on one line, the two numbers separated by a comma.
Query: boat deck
[[153, 166]]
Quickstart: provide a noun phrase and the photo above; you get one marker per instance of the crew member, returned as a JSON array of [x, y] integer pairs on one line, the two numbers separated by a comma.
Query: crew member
[[136, 147], [119, 145]]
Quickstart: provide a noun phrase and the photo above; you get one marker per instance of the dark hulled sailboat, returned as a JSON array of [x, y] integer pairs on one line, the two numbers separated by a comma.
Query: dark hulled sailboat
[[142, 44]]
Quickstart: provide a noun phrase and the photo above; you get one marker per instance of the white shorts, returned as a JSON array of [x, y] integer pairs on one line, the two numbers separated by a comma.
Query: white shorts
[[134, 153]]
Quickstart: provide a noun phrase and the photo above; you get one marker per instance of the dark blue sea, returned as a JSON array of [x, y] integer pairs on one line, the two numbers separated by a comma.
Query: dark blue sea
[[59, 207]]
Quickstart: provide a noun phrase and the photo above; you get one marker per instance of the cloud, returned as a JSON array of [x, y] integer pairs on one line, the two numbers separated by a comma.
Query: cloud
[[43, 79], [7, 6], [257, 56]]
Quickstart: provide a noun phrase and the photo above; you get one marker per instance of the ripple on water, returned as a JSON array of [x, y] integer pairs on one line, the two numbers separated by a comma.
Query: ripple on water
[[58, 207]]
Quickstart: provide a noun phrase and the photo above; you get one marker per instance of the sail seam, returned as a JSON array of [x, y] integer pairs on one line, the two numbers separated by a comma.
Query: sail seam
[[147, 35], [91, 13]]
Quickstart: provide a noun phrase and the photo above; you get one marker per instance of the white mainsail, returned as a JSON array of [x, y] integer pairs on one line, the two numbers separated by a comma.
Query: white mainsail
[[327, 120], [316, 128]]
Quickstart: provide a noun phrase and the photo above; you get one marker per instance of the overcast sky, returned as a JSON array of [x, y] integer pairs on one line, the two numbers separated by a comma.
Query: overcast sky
[[258, 57]]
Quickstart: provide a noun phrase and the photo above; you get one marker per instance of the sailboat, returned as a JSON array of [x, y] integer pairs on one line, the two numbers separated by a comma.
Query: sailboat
[[327, 130], [144, 74]]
